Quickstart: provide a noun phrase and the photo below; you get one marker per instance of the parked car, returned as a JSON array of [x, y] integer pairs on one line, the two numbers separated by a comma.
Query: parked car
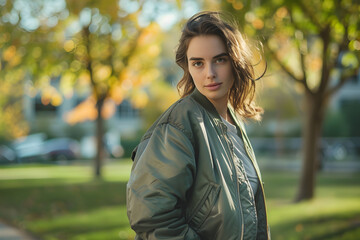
[[30, 148], [7, 155], [61, 149], [35, 148], [112, 146]]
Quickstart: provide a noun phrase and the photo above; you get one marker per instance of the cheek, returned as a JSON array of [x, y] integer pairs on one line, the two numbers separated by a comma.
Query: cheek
[[230, 74], [195, 76]]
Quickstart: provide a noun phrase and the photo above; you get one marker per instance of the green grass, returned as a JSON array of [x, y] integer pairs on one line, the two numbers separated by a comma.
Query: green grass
[[64, 202], [333, 214]]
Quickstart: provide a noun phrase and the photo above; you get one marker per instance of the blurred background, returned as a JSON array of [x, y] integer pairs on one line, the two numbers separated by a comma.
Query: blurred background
[[81, 81]]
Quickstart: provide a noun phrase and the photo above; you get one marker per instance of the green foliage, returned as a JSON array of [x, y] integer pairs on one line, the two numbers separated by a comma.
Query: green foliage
[[76, 131], [29, 57], [351, 114], [162, 96], [130, 142], [335, 125], [343, 122], [296, 25]]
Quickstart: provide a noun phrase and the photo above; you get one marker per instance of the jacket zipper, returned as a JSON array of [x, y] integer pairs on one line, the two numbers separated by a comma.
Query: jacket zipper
[[237, 179], [260, 180]]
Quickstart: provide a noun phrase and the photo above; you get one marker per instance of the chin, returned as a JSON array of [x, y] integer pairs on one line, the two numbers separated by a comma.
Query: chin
[[215, 97]]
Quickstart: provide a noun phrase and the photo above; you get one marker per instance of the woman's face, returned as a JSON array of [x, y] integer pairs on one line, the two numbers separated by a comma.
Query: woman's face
[[210, 67]]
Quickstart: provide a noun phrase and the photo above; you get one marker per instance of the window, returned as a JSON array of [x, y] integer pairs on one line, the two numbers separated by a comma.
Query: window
[[126, 110], [40, 107]]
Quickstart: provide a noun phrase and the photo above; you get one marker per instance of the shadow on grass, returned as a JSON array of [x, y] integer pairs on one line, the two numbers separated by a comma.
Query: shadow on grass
[[70, 231], [338, 179], [283, 185], [54, 198], [340, 232], [319, 228]]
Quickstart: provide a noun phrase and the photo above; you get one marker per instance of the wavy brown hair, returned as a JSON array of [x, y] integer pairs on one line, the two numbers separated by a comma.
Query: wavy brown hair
[[242, 92]]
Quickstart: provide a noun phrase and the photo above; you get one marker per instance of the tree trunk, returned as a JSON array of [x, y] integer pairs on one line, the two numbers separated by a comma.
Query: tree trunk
[[313, 121], [99, 139]]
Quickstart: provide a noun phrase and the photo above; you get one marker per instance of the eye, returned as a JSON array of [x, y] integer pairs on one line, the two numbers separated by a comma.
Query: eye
[[197, 64], [221, 60]]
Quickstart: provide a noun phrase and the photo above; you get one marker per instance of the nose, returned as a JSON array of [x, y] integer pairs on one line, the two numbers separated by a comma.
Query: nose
[[210, 72]]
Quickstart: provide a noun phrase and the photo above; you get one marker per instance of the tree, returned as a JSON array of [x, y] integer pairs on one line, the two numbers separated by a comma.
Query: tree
[[114, 54], [95, 47], [27, 52], [317, 45]]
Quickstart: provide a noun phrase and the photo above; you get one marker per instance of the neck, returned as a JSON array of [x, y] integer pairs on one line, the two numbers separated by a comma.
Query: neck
[[221, 108]]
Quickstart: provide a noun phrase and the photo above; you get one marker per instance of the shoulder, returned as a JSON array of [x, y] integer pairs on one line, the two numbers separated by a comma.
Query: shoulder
[[182, 115], [179, 117]]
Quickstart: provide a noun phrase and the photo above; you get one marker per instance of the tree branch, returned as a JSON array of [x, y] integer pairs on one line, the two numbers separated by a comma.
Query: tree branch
[[126, 58], [343, 46], [325, 71], [311, 14], [134, 41], [302, 57], [287, 70], [303, 67], [88, 59]]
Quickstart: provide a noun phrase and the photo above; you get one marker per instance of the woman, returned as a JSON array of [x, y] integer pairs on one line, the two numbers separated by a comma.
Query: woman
[[194, 174]]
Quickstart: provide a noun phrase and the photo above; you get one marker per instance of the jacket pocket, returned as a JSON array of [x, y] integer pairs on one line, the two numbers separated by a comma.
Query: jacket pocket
[[203, 208]]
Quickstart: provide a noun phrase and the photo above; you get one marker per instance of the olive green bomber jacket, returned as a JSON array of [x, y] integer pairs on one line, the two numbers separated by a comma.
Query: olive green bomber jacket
[[184, 184]]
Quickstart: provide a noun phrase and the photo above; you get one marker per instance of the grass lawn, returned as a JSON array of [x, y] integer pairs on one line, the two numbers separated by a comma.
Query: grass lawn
[[64, 202]]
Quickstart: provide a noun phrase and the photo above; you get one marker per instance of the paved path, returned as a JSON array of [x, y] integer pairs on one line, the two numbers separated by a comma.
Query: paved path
[[10, 233]]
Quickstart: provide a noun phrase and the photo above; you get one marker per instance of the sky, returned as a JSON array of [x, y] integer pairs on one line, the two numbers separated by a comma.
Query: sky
[[30, 13]]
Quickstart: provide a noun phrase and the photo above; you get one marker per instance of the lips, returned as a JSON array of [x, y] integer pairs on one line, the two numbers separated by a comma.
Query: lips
[[213, 86]]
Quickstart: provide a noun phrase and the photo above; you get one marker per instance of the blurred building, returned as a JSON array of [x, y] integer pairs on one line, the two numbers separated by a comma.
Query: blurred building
[[349, 93], [51, 121], [125, 120]]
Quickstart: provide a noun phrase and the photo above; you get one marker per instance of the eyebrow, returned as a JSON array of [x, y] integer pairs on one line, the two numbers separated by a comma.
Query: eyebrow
[[217, 56]]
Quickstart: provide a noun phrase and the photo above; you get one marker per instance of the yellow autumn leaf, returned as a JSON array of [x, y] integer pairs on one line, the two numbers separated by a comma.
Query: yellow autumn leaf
[[66, 83], [117, 93], [16, 60], [237, 5], [140, 99], [69, 45], [56, 100], [86, 110], [149, 34], [102, 72], [84, 78], [9, 53], [45, 99], [153, 50]]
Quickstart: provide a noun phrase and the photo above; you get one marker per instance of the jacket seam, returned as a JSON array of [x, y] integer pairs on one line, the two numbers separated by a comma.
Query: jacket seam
[[175, 125], [212, 187], [169, 120]]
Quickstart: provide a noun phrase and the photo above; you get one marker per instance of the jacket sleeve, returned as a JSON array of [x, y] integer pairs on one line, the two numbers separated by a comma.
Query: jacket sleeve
[[160, 179]]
